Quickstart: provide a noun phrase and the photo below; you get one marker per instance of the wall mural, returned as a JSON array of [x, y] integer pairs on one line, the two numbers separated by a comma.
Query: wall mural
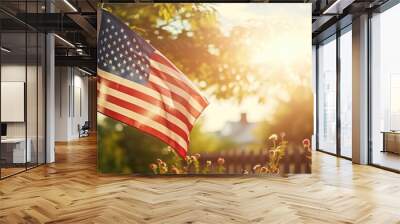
[[196, 88]]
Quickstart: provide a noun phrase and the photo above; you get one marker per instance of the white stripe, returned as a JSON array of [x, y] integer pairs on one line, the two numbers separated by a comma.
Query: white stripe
[[148, 91], [143, 120], [145, 105], [172, 72], [167, 85]]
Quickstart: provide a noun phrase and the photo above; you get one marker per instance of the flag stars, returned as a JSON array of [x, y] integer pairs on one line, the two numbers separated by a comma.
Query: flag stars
[[121, 53]]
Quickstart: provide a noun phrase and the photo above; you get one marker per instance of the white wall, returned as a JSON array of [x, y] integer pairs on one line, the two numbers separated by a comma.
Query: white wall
[[71, 102], [16, 73]]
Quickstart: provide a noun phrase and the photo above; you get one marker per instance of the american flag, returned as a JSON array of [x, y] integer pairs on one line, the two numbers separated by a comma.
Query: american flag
[[140, 87]]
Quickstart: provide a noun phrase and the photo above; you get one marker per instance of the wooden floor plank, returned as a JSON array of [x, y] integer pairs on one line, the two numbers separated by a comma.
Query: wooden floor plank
[[71, 191]]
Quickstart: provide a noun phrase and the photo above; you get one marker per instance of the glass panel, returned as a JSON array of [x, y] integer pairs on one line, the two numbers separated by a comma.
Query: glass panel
[[346, 94], [32, 86], [327, 96], [386, 89], [23, 90], [31, 98], [13, 87], [41, 99]]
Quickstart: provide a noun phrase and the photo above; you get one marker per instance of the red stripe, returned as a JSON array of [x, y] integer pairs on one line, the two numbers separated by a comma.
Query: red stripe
[[155, 117], [181, 84], [140, 95], [173, 96], [149, 130]]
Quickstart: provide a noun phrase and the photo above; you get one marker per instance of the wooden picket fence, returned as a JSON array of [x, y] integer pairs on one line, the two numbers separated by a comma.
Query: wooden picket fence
[[296, 160]]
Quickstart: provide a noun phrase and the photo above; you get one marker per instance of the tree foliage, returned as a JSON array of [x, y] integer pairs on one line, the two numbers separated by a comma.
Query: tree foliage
[[190, 35]]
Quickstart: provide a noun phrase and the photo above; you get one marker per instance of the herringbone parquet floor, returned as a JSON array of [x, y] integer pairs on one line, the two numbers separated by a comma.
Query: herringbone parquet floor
[[70, 191]]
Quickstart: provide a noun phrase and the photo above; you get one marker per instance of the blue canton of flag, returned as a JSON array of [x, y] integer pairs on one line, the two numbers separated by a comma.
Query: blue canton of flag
[[123, 52]]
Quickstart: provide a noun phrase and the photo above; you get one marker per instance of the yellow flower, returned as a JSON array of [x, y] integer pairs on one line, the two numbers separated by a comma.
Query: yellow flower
[[273, 137], [256, 167], [264, 169]]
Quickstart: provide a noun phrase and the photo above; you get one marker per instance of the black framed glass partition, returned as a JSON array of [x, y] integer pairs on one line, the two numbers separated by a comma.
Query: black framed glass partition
[[22, 77], [334, 94], [326, 60], [385, 89], [345, 93]]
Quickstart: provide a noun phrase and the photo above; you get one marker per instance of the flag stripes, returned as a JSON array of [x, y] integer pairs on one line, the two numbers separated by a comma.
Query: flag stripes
[[140, 110], [176, 77], [143, 127], [142, 91], [149, 109], [129, 100]]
